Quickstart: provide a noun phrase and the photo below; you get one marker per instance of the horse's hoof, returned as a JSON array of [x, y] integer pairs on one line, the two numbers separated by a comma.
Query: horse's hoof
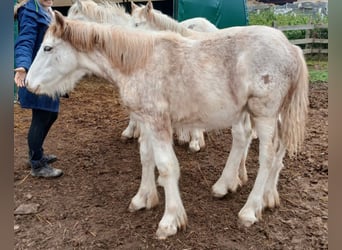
[[218, 191], [165, 231], [194, 147], [248, 217], [271, 199]]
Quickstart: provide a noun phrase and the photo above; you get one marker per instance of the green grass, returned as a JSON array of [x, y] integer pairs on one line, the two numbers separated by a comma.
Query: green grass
[[318, 71], [267, 17]]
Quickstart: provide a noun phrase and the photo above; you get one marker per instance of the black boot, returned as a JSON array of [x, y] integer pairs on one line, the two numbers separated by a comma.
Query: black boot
[[41, 168]]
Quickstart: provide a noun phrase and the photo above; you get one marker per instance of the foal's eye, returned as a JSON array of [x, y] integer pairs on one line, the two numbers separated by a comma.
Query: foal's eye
[[47, 48]]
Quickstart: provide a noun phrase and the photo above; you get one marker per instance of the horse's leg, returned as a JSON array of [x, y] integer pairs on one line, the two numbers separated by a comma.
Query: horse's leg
[[266, 130], [174, 215], [147, 196], [229, 179], [132, 130], [271, 196], [197, 140], [248, 130], [169, 172], [183, 135]]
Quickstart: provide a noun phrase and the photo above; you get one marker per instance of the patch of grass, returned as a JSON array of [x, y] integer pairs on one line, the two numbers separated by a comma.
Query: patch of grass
[[318, 71], [318, 76]]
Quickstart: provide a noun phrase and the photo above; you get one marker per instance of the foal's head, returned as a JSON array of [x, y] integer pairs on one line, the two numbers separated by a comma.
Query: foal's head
[[103, 11], [55, 69], [149, 18], [73, 48]]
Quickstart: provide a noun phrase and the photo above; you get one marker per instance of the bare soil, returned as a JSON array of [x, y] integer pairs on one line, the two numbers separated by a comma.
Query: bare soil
[[87, 208]]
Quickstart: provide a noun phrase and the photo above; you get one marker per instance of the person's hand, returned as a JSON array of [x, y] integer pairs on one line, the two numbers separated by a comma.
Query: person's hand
[[19, 77]]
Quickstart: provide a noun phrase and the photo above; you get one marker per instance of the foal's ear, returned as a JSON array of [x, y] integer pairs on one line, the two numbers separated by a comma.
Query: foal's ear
[[78, 3], [149, 6], [59, 19], [133, 6]]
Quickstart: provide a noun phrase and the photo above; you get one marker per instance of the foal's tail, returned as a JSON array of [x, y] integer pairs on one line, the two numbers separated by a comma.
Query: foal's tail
[[295, 108]]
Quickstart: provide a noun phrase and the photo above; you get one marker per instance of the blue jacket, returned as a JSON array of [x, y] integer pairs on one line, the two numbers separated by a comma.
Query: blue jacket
[[33, 22]]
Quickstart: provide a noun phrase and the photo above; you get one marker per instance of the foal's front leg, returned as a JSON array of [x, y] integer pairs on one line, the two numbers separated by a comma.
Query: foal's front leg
[[156, 149], [147, 196], [169, 172]]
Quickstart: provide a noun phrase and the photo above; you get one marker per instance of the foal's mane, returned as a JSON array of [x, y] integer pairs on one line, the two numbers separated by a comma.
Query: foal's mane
[[125, 49], [103, 11]]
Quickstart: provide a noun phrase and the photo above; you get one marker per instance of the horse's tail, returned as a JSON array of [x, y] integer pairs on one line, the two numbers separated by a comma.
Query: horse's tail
[[295, 108]]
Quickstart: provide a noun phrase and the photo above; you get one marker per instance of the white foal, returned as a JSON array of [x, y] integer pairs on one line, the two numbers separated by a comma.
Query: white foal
[[242, 75]]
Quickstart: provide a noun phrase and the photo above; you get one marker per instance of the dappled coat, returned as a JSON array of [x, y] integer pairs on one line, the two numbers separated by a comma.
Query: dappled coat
[[33, 21]]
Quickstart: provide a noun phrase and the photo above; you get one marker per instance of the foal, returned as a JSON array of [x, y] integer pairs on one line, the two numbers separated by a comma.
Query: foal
[[165, 82]]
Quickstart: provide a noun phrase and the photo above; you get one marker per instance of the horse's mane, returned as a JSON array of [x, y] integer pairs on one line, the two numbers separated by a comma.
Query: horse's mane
[[126, 50], [102, 11], [164, 22]]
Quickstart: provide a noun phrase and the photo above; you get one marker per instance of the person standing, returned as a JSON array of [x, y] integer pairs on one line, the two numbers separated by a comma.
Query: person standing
[[34, 17]]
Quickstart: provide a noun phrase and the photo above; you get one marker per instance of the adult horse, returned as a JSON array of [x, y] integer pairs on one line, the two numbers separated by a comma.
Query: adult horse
[[110, 12], [164, 81]]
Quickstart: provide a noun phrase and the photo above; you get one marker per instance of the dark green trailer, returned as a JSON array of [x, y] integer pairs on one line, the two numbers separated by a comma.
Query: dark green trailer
[[222, 13]]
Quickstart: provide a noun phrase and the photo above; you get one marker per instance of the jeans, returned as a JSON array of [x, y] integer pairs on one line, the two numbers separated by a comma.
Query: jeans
[[40, 125]]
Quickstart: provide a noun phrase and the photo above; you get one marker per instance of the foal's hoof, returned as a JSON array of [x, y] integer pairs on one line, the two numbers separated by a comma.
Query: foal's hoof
[[165, 231], [271, 199], [219, 191], [248, 217], [170, 223], [124, 138], [147, 201], [194, 147]]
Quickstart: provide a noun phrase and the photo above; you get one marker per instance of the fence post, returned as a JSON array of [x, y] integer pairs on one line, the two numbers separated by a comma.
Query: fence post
[[274, 24]]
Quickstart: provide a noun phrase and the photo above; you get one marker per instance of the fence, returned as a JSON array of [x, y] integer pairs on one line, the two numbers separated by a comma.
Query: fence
[[312, 43]]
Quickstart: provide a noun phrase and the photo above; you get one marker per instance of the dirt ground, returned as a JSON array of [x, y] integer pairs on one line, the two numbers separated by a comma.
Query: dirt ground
[[87, 208]]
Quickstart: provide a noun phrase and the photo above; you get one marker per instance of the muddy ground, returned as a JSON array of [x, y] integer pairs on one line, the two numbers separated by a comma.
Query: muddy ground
[[87, 207]]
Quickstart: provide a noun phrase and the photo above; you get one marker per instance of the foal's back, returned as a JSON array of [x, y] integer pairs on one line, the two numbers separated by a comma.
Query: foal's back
[[210, 80]]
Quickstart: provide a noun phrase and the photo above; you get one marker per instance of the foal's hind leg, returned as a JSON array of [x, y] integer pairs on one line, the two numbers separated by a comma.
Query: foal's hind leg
[[194, 137], [266, 130], [235, 165], [250, 134], [183, 136], [132, 130], [271, 196], [147, 196], [197, 139]]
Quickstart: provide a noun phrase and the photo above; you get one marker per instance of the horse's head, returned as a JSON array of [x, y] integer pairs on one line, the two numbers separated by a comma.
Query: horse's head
[[147, 17], [78, 9], [142, 15], [104, 11], [55, 69]]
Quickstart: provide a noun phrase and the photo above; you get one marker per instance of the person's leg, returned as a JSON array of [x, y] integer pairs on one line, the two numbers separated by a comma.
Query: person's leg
[[51, 117], [40, 126]]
